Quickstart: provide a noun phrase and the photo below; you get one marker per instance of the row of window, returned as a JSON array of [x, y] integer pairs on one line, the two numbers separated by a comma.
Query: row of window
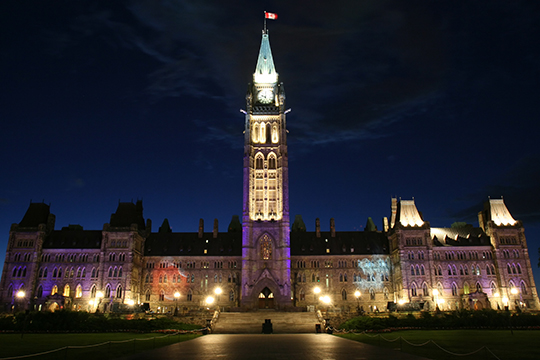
[[315, 264], [121, 257], [22, 257], [68, 258], [189, 296], [466, 288], [508, 241], [178, 278], [464, 270], [513, 268], [191, 265], [414, 241], [506, 254], [66, 291], [462, 255], [419, 255], [70, 273], [25, 243], [119, 244], [344, 294]]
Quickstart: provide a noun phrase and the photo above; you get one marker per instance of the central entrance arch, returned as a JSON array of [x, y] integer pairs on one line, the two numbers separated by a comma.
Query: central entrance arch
[[266, 299]]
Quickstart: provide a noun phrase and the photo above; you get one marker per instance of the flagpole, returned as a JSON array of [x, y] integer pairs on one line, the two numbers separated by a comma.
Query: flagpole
[[265, 22]]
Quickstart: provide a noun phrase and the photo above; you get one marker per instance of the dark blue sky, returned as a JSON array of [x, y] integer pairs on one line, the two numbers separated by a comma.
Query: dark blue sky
[[104, 101]]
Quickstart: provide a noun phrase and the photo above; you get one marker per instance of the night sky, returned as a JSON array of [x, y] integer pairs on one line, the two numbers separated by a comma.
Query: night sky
[[108, 101]]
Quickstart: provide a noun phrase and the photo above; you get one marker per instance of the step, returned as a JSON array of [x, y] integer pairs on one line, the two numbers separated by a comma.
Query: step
[[251, 322]]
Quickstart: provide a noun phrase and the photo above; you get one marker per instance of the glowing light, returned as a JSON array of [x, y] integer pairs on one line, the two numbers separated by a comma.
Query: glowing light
[[325, 299], [514, 291], [99, 294], [440, 301], [505, 301], [20, 294], [357, 294], [218, 291], [376, 270], [91, 302], [209, 300], [176, 295], [401, 301], [409, 215], [499, 213], [435, 292], [131, 302], [317, 290], [497, 294]]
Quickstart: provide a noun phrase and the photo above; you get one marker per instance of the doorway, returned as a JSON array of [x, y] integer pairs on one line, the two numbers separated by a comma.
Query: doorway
[[266, 299]]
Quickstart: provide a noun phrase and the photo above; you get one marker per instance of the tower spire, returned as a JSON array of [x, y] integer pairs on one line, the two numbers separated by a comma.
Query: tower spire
[[265, 72]]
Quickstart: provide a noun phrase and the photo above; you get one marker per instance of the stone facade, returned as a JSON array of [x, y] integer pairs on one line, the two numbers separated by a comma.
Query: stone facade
[[263, 261]]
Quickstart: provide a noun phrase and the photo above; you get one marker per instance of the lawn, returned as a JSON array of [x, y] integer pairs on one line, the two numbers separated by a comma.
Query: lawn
[[116, 344], [522, 345]]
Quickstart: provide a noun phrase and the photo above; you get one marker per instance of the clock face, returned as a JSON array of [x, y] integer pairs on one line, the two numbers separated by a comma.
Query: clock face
[[265, 96]]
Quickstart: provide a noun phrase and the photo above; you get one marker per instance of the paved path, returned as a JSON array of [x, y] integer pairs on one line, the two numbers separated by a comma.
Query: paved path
[[274, 346]]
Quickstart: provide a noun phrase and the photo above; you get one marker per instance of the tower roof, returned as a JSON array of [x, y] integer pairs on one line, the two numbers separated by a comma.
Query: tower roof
[[499, 213], [265, 72], [408, 215]]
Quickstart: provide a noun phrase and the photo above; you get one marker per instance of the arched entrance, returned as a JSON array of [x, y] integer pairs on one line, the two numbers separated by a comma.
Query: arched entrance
[[266, 299]]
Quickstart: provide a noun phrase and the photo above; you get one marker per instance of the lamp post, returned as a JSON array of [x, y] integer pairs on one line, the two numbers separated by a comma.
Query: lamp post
[[514, 292], [99, 296], [316, 292], [497, 296], [436, 295], [20, 297], [176, 297], [357, 295], [218, 292]]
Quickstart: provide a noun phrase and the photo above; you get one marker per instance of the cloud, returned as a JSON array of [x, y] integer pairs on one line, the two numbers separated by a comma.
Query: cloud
[[518, 186]]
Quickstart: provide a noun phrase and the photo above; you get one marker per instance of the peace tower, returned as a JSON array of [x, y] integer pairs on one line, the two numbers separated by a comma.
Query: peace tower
[[265, 217]]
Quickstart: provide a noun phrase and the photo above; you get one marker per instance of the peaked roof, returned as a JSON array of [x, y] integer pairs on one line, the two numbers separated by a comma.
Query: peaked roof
[[408, 215], [499, 213], [37, 213], [265, 72], [128, 213]]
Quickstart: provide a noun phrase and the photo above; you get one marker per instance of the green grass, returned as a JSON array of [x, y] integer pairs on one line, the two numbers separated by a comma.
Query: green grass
[[521, 345], [14, 345]]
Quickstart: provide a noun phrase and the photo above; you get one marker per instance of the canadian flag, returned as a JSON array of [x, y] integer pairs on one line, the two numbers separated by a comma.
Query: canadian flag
[[270, 15]]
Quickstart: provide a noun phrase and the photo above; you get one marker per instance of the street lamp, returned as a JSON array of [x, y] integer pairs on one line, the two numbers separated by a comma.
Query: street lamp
[[497, 296], [99, 296], [316, 291], [218, 292], [357, 295], [436, 295], [20, 297], [176, 297], [514, 292], [209, 300]]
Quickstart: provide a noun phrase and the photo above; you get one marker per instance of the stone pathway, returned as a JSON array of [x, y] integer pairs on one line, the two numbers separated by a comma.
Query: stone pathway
[[273, 346]]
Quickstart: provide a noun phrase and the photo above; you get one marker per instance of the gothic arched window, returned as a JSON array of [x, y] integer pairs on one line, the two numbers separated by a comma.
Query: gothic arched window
[[275, 137], [266, 248], [259, 162]]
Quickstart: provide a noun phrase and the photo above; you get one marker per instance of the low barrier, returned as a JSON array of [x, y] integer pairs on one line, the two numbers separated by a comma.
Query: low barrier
[[402, 339], [66, 348]]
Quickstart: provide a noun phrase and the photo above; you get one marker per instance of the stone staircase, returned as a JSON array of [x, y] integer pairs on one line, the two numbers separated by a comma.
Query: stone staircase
[[251, 322]]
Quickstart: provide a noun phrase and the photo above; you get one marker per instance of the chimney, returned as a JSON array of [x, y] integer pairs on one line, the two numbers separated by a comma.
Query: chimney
[[332, 228], [215, 228], [394, 212], [201, 228], [481, 220], [317, 227]]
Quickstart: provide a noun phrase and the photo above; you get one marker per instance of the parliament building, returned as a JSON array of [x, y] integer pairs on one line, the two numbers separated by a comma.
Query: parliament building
[[263, 260]]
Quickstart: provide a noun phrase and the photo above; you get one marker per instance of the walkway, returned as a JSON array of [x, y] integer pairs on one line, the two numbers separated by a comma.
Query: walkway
[[274, 346]]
